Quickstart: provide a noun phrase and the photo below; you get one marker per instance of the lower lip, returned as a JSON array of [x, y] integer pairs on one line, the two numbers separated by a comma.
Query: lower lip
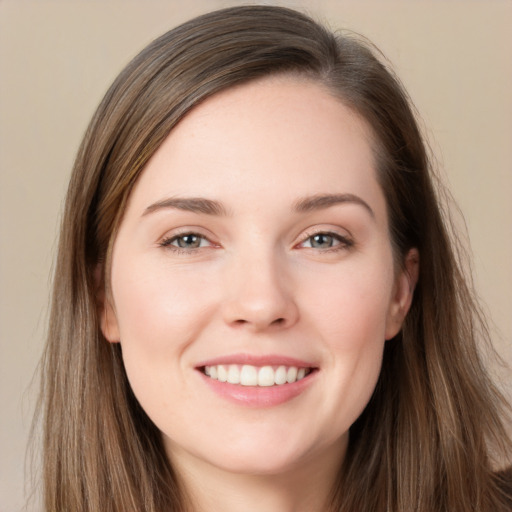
[[256, 396]]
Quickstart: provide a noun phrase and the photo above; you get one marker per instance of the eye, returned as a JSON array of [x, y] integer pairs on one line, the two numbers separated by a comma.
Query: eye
[[186, 241], [326, 241]]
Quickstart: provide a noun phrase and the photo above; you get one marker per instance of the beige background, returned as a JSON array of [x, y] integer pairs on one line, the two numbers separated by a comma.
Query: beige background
[[57, 59]]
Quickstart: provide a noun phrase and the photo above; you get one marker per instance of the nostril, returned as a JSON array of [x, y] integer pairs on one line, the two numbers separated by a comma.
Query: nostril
[[277, 322]]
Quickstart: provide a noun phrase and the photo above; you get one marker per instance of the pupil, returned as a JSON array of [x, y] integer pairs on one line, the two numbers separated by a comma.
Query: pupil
[[322, 240], [188, 241]]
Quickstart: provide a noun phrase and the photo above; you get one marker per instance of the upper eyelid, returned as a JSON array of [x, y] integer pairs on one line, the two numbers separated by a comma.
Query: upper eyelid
[[316, 230], [187, 230], [307, 233], [188, 233], [343, 240], [167, 241]]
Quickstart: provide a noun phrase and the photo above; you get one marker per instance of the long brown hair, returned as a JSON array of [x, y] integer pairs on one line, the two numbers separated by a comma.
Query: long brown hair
[[431, 435]]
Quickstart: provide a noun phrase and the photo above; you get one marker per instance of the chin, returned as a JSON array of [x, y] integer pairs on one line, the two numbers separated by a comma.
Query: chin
[[263, 464], [250, 454], [274, 456]]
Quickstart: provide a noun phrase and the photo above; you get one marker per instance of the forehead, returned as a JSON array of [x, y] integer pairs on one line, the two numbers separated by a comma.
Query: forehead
[[280, 136]]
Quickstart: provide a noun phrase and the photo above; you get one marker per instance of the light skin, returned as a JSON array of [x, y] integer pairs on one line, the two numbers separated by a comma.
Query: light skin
[[285, 254]]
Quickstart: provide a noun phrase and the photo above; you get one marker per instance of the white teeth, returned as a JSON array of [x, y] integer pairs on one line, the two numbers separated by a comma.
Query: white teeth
[[233, 374], [266, 376], [280, 376], [291, 374], [222, 374], [248, 375]]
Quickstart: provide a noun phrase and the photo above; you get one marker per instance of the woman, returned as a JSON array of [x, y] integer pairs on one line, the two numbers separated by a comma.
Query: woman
[[257, 303]]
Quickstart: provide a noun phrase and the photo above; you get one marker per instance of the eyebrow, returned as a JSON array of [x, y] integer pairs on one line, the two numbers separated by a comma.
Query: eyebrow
[[189, 204], [212, 207], [321, 201]]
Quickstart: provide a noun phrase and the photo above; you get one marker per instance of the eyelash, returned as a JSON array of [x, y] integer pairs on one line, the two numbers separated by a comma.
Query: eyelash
[[344, 242], [168, 241]]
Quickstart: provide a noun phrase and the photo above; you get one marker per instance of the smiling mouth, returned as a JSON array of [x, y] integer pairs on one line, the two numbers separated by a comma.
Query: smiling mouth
[[257, 376]]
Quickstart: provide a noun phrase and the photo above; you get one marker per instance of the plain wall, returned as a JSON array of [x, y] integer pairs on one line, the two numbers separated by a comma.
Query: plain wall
[[58, 58]]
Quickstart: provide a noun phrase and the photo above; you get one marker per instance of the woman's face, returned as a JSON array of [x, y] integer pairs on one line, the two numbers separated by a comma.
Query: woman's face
[[255, 248]]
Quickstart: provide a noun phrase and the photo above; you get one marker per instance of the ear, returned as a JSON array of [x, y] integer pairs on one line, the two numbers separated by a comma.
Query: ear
[[106, 313], [405, 283]]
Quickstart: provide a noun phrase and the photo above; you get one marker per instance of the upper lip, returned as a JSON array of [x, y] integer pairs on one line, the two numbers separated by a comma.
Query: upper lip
[[257, 360]]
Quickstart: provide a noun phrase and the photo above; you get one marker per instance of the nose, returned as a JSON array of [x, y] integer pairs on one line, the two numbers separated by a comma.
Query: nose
[[260, 295]]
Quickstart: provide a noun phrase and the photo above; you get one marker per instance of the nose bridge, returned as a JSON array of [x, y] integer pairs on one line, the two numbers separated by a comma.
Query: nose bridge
[[259, 293]]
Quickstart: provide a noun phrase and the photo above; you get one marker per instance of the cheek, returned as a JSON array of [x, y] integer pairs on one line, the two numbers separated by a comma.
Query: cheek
[[154, 304], [351, 319], [159, 315], [351, 306]]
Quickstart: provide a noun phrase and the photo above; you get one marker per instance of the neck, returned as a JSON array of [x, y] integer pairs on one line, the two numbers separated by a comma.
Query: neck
[[306, 486]]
